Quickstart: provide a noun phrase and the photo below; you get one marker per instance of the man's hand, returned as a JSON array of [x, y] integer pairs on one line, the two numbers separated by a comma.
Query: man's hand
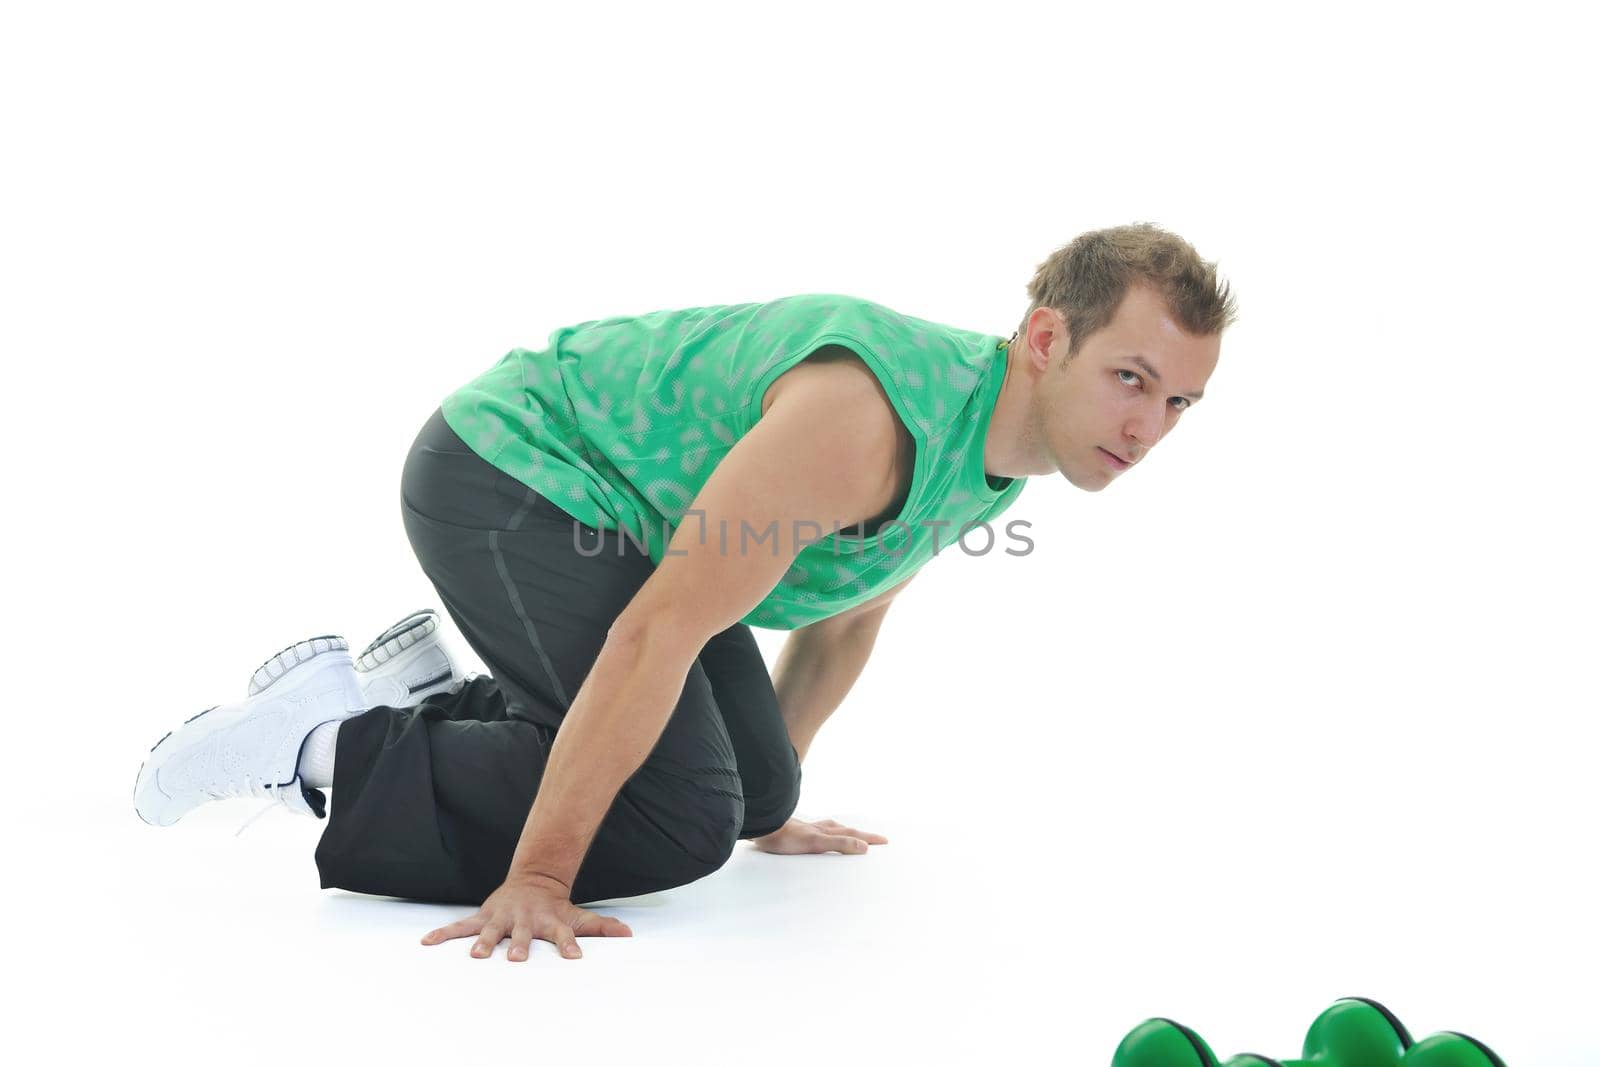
[[528, 909], [797, 837]]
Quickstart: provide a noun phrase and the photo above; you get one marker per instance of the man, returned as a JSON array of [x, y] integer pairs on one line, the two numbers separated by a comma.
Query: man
[[605, 519]]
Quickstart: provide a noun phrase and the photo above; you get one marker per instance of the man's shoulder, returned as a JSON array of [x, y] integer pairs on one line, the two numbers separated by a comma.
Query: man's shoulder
[[831, 372], [833, 397]]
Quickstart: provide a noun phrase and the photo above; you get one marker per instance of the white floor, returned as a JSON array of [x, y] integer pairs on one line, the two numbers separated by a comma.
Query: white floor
[[949, 945], [1231, 820]]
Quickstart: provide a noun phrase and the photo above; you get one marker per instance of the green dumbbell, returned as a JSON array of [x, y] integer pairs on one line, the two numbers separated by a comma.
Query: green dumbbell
[[1355, 1032]]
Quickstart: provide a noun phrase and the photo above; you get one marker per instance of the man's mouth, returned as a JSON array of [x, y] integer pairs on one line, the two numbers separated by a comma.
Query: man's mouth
[[1115, 460]]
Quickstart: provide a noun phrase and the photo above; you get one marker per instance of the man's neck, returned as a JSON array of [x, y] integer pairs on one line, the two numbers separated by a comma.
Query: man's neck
[[1001, 447]]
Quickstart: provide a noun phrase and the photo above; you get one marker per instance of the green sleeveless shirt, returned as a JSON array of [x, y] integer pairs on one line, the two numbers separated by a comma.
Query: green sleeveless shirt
[[619, 421]]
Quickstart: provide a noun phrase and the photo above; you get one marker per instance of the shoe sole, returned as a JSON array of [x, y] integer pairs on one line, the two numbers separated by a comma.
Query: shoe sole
[[396, 639], [283, 662], [389, 667]]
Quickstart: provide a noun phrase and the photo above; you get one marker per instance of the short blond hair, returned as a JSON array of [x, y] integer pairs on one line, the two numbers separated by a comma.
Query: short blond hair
[[1087, 278]]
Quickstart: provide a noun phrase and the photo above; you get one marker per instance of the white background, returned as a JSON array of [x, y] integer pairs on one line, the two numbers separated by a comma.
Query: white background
[[1303, 708]]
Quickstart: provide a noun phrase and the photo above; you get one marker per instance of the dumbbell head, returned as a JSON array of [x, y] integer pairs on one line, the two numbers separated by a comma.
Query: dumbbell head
[[1163, 1043]]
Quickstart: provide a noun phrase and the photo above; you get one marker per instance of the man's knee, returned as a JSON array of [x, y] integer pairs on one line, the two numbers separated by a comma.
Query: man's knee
[[700, 834], [716, 833], [765, 813], [660, 840]]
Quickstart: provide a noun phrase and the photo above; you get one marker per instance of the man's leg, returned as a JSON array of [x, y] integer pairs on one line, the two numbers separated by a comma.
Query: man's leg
[[429, 802], [769, 769], [431, 808]]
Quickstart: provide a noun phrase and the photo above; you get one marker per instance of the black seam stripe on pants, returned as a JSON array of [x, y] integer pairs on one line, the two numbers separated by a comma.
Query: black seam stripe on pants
[[428, 802]]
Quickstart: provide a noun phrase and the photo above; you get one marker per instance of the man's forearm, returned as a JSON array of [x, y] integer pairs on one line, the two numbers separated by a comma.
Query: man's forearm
[[815, 670], [615, 719]]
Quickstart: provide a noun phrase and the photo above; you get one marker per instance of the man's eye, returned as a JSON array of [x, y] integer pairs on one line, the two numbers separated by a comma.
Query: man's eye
[[1179, 402]]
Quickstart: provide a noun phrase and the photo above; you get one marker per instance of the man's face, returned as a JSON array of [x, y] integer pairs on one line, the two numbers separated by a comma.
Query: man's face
[[1106, 402]]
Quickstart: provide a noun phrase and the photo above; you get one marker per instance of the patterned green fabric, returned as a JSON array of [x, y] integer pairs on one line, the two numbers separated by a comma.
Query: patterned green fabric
[[619, 421]]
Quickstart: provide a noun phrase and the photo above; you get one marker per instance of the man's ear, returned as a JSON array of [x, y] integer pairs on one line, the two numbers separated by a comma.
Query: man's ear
[[1057, 324]]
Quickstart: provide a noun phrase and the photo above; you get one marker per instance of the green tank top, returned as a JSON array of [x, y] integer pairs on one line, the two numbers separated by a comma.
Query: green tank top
[[619, 421]]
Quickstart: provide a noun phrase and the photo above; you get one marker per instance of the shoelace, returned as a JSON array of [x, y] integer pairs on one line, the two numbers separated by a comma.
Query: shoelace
[[274, 793]]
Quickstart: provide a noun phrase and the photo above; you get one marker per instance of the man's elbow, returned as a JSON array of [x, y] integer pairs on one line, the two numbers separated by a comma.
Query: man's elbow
[[664, 632]]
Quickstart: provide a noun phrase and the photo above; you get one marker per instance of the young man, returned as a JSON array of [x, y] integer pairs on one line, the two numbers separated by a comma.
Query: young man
[[604, 519]]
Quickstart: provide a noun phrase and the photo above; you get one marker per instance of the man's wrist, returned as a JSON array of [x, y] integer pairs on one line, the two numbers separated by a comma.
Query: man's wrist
[[534, 878]]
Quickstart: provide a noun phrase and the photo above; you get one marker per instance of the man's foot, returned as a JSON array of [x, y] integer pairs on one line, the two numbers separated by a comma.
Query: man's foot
[[404, 665], [252, 748]]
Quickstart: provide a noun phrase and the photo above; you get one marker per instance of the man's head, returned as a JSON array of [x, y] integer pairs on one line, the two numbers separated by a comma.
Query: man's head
[[1123, 333]]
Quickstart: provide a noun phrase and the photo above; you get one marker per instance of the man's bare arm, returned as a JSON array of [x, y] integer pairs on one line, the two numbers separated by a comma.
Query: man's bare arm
[[820, 663]]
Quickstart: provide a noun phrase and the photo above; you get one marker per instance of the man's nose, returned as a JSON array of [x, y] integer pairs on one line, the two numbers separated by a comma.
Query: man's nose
[[1145, 427]]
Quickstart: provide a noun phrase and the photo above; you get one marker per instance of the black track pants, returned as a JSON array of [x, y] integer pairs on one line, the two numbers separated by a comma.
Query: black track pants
[[428, 802]]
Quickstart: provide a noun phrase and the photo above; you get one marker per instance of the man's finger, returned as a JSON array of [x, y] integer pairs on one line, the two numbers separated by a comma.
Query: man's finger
[[461, 928], [493, 931], [593, 925], [837, 827], [562, 938], [866, 835], [521, 937], [838, 843]]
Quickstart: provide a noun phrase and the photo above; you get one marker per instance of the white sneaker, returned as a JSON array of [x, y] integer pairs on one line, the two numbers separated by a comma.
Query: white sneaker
[[404, 665], [252, 748]]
